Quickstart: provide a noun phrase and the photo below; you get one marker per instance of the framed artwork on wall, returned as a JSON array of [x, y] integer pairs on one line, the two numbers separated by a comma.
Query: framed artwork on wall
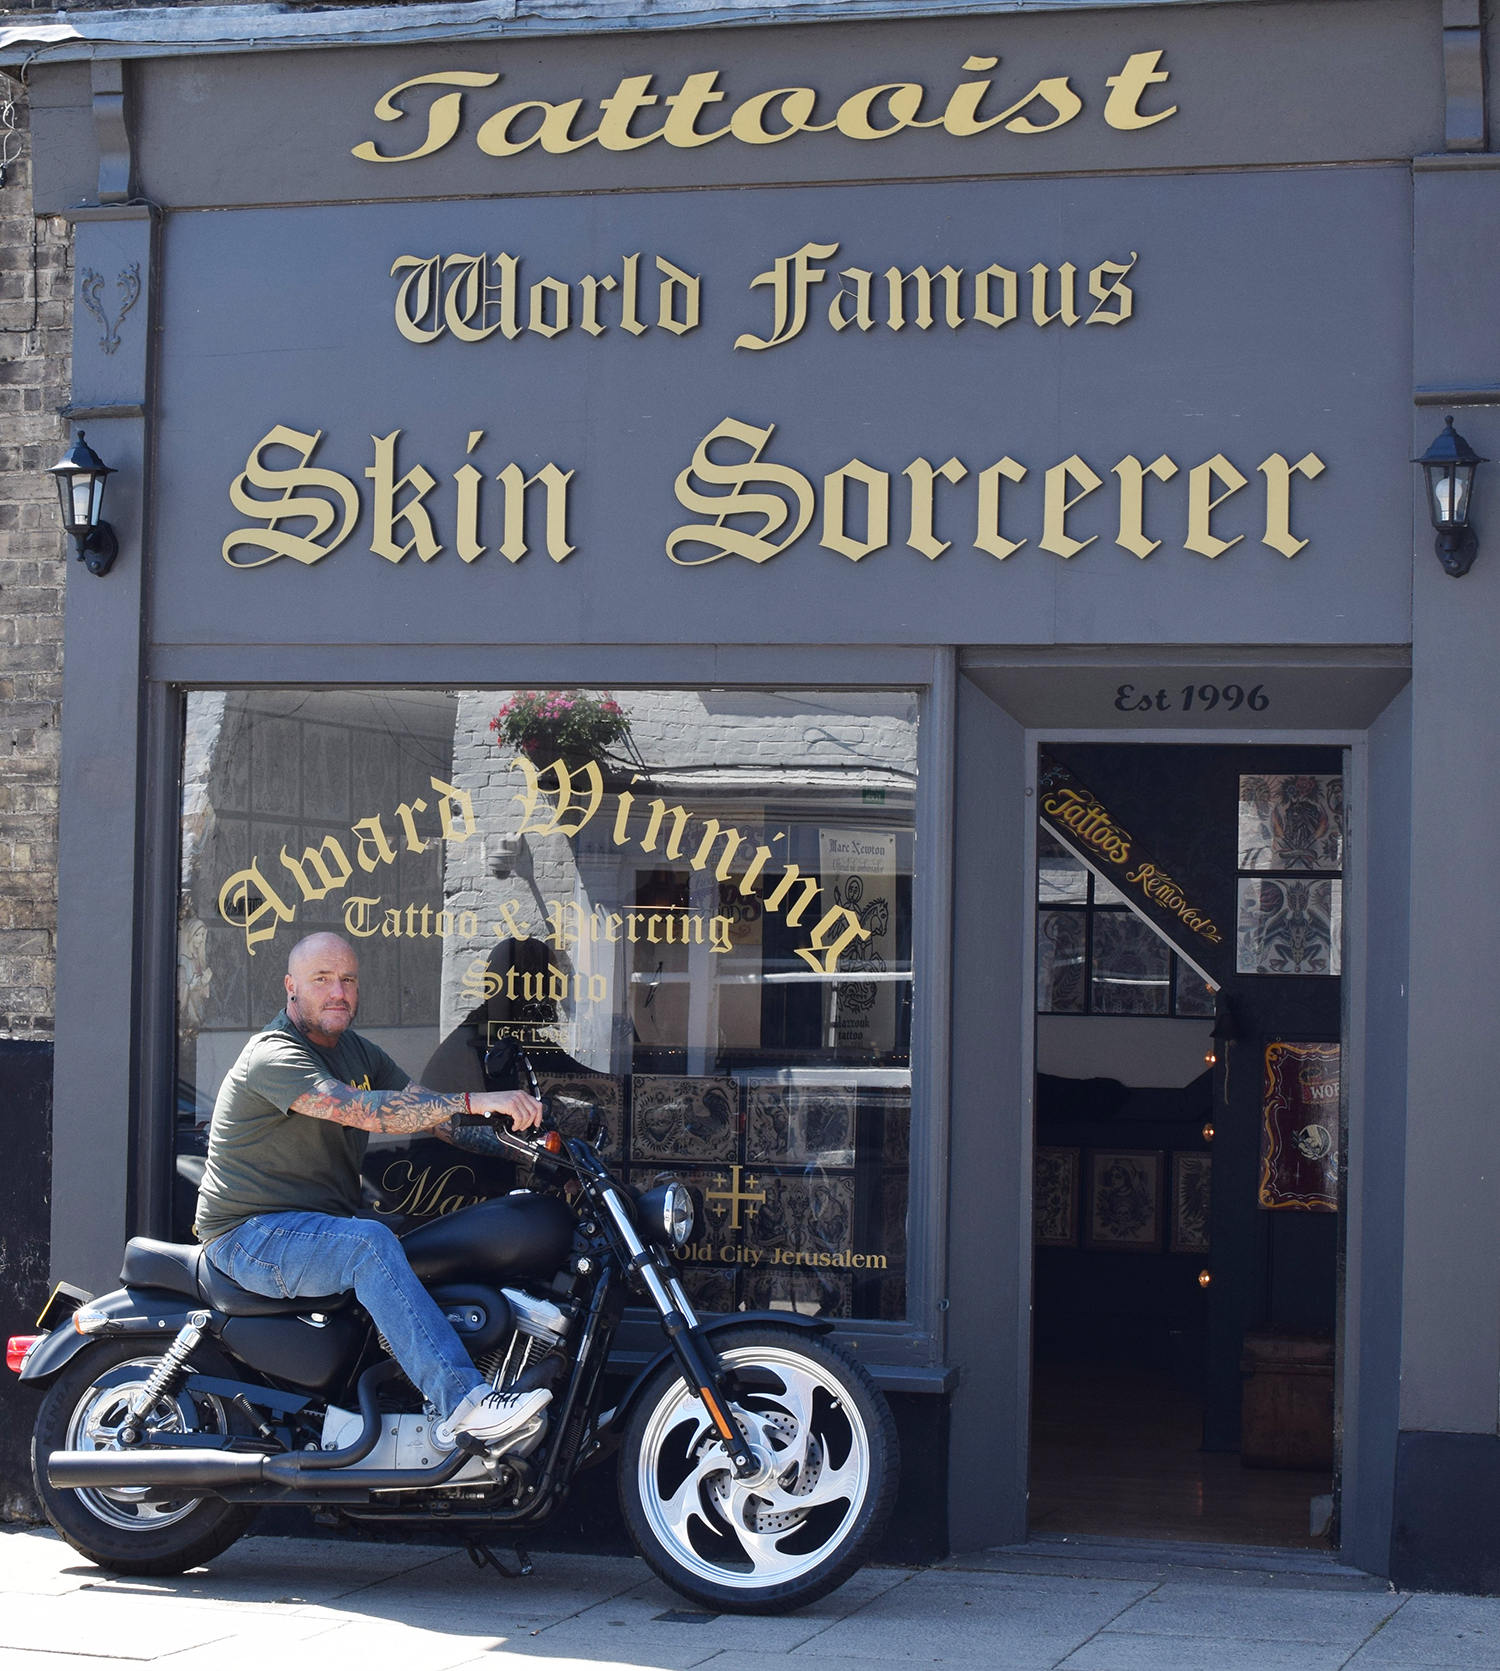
[[1192, 1185], [1124, 1200], [1055, 1197], [1299, 1137]]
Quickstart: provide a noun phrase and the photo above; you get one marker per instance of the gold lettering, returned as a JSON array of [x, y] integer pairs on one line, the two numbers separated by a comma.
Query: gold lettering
[[416, 298], [1054, 91], [469, 299], [337, 861], [790, 278], [246, 899], [1116, 290], [839, 917], [468, 480], [722, 540], [454, 800], [895, 285], [1122, 108], [555, 130], [677, 284], [983, 311], [1067, 294], [554, 484], [686, 106], [373, 849], [712, 833], [1202, 504], [1132, 474], [1278, 474], [303, 547], [566, 818], [921, 474], [877, 486], [748, 124], [988, 536], [443, 115], [631, 96], [387, 513], [357, 909], [903, 99], [1056, 505], [659, 812]]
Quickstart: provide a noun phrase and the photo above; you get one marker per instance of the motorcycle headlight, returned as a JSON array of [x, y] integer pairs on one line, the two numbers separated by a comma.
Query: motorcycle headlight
[[668, 1214]]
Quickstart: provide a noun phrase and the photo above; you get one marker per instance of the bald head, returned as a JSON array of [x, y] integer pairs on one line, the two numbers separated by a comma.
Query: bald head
[[322, 987]]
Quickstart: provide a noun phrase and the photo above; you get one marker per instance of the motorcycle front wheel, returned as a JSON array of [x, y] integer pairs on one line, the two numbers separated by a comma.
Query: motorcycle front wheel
[[828, 1467], [121, 1528]]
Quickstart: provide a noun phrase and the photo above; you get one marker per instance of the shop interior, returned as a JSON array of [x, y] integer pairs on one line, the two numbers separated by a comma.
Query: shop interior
[[1187, 1141]]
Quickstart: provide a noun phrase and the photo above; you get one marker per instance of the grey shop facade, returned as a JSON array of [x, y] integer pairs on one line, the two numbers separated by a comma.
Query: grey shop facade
[[861, 586]]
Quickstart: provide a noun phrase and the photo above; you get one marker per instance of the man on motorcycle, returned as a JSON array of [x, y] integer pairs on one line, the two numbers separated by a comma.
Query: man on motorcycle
[[281, 1187]]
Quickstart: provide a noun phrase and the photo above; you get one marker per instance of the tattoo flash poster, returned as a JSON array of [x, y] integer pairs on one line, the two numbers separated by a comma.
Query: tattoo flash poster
[[858, 867]]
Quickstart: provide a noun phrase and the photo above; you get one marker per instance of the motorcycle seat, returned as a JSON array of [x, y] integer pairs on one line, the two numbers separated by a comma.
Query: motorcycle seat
[[169, 1265], [226, 1295]]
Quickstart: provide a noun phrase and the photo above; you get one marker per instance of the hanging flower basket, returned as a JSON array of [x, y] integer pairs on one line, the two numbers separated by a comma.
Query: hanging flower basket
[[574, 726]]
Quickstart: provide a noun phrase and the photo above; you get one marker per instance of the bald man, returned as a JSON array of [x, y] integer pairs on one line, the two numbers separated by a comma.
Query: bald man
[[281, 1188]]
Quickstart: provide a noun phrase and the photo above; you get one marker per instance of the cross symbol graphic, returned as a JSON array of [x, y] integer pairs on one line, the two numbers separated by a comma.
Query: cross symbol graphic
[[734, 1195]]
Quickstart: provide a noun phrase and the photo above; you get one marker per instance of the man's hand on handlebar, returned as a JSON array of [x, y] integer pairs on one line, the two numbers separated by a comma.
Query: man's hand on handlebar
[[520, 1108]]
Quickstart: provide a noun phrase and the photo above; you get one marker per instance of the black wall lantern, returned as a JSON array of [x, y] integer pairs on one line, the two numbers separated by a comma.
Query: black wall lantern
[[80, 475], [1449, 465]]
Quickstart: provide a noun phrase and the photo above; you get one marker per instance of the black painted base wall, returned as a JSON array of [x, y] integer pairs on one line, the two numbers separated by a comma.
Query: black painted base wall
[[25, 1242], [1446, 1531]]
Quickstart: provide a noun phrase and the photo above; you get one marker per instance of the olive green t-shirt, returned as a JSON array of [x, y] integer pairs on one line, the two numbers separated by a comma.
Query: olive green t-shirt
[[262, 1157]]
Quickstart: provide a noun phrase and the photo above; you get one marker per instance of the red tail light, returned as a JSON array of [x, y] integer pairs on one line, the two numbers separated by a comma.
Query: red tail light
[[16, 1349]]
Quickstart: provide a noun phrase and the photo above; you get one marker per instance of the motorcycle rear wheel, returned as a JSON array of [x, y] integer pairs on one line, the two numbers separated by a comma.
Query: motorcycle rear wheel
[[826, 1441], [120, 1529]]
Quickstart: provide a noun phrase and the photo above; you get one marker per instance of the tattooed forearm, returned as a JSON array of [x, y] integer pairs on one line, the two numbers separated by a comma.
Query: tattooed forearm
[[410, 1110], [476, 1137]]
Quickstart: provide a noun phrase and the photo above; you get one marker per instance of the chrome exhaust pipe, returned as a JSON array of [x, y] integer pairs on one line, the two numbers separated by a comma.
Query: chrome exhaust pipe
[[171, 1473], [175, 1470]]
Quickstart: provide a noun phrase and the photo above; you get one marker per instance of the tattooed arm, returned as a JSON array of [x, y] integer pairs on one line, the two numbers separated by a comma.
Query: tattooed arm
[[412, 1109], [475, 1137]]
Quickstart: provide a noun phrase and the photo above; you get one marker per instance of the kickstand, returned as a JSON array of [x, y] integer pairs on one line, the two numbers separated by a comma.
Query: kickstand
[[483, 1556]]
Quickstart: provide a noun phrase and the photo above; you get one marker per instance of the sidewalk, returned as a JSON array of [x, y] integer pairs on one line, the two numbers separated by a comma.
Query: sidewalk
[[275, 1604]]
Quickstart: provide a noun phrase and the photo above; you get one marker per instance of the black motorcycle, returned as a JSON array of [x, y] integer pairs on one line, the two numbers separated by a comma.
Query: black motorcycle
[[757, 1465]]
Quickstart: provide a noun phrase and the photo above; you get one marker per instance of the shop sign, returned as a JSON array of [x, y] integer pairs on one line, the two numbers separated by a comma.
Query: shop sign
[[431, 110], [1087, 827]]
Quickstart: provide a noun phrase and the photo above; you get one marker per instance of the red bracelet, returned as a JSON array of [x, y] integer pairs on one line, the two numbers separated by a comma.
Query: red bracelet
[[468, 1106]]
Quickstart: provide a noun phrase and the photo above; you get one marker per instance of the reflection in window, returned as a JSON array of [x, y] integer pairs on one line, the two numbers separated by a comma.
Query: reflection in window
[[699, 924], [1096, 957]]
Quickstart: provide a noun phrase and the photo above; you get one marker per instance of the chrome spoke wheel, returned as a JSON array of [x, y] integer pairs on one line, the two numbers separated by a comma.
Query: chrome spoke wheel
[[796, 1514], [97, 1422]]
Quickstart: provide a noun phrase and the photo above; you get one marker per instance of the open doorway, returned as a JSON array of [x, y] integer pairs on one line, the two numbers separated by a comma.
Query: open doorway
[[1187, 1142]]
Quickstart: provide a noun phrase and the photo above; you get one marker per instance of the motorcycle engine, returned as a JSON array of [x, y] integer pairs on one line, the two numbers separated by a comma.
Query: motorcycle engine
[[533, 1355]]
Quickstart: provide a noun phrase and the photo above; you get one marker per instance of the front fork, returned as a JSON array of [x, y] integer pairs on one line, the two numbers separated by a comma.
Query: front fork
[[679, 1320]]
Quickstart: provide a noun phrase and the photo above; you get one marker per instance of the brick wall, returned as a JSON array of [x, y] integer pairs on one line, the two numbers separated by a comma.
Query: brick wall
[[35, 352]]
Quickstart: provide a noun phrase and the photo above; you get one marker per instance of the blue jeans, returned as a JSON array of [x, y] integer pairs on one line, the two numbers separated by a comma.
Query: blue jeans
[[288, 1255]]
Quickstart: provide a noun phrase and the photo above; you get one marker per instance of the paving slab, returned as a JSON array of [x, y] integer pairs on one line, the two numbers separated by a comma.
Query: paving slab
[[1222, 1612], [1436, 1631], [1115, 1651], [654, 1625], [131, 1628], [362, 1645], [996, 1619], [1157, 1563]]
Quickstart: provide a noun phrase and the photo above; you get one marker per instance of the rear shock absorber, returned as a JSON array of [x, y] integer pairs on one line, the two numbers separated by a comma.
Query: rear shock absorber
[[164, 1377]]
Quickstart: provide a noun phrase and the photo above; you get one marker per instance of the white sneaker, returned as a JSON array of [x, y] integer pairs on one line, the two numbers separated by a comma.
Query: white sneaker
[[490, 1416]]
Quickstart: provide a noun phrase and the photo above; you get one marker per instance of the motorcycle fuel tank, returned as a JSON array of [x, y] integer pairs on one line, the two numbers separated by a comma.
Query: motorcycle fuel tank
[[511, 1236]]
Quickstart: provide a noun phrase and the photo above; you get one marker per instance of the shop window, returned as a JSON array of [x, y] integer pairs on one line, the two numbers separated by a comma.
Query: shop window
[[1095, 956], [694, 908]]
